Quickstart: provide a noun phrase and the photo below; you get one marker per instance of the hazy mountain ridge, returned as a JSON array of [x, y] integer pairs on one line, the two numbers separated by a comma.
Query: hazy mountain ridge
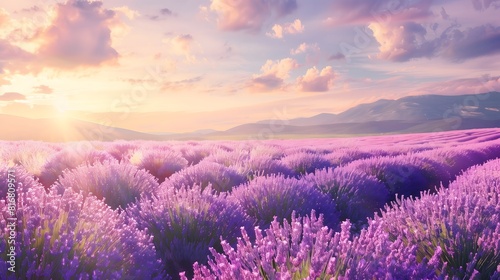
[[413, 108], [412, 114]]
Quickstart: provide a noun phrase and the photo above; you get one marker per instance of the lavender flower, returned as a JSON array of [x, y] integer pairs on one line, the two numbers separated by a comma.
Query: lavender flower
[[461, 222], [69, 237], [304, 163], [118, 183], [160, 162], [356, 194], [186, 222], [219, 177], [406, 175], [68, 159], [306, 249], [267, 197]]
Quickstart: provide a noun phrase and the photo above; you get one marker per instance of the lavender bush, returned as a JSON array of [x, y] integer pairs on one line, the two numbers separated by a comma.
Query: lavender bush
[[69, 237], [161, 162], [186, 222], [276, 196], [357, 195], [68, 159], [461, 222], [406, 175], [303, 162], [117, 183], [205, 173], [306, 249]]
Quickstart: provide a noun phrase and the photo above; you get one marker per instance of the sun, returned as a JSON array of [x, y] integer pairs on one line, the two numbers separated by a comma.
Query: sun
[[61, 113]]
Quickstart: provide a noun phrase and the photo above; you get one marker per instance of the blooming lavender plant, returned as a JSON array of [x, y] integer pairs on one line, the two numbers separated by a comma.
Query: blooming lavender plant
[[276, 196], [118, 183], [303, 162], [357, 195], [161, 162], [306, 249], [406, 175], [186, 222], [122, 150], [22, 178], [462, 222], [69, 237], [68, 159], [205, 173], [31, 155]]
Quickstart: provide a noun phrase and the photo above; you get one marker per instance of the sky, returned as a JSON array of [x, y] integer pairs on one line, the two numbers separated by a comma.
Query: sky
[[178, 66]]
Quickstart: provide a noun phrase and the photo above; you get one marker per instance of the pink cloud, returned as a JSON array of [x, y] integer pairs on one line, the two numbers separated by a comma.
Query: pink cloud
[[273, 75], [12, 96], [481, 84], [182, 45], [234, 15], [406, 41], [44, 89], [79, 35], [401, 42], [316, 81], [4, 17], [128, 12], [380, 11], [14, 59], [302, 48], [278, 31], [481, 5]]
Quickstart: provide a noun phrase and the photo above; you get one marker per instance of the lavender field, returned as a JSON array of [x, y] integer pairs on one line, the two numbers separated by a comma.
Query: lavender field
[[419, 206]]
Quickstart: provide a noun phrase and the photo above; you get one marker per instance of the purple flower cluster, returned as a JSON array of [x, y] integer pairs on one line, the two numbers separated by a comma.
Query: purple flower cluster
[[186, 222], [204, 174], [357, 195], [306, 249], [274, 209], [160, 162], [117, 183], [69, 237], [276, 196], [303, 162], [461, 222], [406, 175], [67, 159]]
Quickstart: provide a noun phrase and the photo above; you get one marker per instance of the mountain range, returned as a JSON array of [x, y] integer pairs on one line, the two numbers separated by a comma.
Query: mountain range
[[412, 114]]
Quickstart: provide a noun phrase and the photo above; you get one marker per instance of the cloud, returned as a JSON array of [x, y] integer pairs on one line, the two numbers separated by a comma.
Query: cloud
[[474, 42], [380, 11], [337, 56], [4, 18], [406, 41], [14, 59], [182, 45], [181, 84], [316, 81], [485, 4], [288, 28], [234, 15], [163, 14], [486, 83], [402, 42], [273, 75], [79, 35], [12, 96], [302, 48], [43, 89], [129, 13]]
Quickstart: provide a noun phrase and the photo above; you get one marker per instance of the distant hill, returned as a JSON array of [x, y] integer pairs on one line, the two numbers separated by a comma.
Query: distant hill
[[412, 114], [485, 106], [62, 130]]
